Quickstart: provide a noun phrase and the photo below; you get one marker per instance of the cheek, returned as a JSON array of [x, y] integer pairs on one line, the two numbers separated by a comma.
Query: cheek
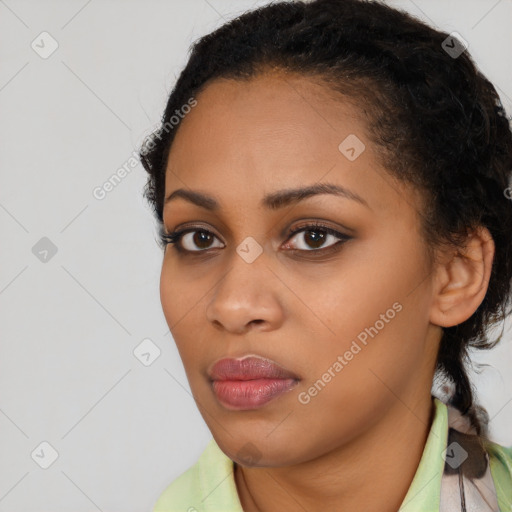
[[374, 309], [168, 299], [178, 294], [183, 305], [351, 296]]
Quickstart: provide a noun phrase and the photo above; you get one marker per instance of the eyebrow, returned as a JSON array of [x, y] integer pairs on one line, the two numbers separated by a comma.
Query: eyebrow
[[272, 201]]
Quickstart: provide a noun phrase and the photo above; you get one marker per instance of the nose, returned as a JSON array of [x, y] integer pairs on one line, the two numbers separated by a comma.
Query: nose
[[246, 297]]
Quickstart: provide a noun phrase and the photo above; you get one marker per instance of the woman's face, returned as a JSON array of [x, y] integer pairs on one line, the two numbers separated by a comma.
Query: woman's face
[[349, 318]]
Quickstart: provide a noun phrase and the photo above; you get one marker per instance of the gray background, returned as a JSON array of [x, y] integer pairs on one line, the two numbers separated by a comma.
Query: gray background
[[70, 321]]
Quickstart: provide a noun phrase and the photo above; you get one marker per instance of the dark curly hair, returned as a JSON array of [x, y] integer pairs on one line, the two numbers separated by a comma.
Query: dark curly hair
[[434, 118]]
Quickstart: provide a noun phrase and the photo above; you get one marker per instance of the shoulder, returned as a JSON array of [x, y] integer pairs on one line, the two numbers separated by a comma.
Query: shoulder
[[500, 461], [208, 483], [180, 492]]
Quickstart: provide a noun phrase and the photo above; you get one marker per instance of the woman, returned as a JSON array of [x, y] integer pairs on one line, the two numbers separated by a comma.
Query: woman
[[330, 180]]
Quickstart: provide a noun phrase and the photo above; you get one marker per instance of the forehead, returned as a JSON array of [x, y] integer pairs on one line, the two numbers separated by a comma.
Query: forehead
[[287, 115], [272, 109], [271, 132]]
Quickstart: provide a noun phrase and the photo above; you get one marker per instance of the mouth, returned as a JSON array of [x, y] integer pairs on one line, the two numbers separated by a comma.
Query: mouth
[[249, 383]]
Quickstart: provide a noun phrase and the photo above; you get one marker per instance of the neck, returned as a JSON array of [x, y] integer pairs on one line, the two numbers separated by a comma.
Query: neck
[[372, 472]]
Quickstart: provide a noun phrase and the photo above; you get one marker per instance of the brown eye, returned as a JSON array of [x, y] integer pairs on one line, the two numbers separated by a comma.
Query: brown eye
[[197, 239], [315, 237]]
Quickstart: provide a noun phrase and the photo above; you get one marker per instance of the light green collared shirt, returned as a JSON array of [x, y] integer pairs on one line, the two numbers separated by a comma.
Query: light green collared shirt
[[209, 485]]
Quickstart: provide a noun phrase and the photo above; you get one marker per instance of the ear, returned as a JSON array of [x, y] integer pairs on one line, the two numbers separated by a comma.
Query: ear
[[461, 280]]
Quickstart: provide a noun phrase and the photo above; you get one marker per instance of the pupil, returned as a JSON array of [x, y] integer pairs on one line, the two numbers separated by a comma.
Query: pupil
[[200, 237], [320, 240]]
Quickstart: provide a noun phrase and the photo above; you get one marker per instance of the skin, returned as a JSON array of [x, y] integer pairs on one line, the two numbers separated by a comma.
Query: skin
[[357, 444]]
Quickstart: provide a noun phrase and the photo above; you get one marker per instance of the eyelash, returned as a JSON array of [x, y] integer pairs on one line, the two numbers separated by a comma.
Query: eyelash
[[176, 236]]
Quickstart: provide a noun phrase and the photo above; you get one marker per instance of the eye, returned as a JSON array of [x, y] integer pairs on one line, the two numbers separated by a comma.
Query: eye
[[315, 236], [186, 239]]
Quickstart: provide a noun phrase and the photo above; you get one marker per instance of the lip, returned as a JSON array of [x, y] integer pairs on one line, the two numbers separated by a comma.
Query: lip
[[250, 382], [249, 368]]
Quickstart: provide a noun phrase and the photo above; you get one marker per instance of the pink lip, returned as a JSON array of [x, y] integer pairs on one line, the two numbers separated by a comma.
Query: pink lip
[[250, 382], [249, 368]]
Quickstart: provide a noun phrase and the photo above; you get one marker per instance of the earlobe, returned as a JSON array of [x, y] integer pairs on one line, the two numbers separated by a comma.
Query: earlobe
[[462, 279]]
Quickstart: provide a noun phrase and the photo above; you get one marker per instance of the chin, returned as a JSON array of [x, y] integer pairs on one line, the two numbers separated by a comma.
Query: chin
[[255, 453]]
